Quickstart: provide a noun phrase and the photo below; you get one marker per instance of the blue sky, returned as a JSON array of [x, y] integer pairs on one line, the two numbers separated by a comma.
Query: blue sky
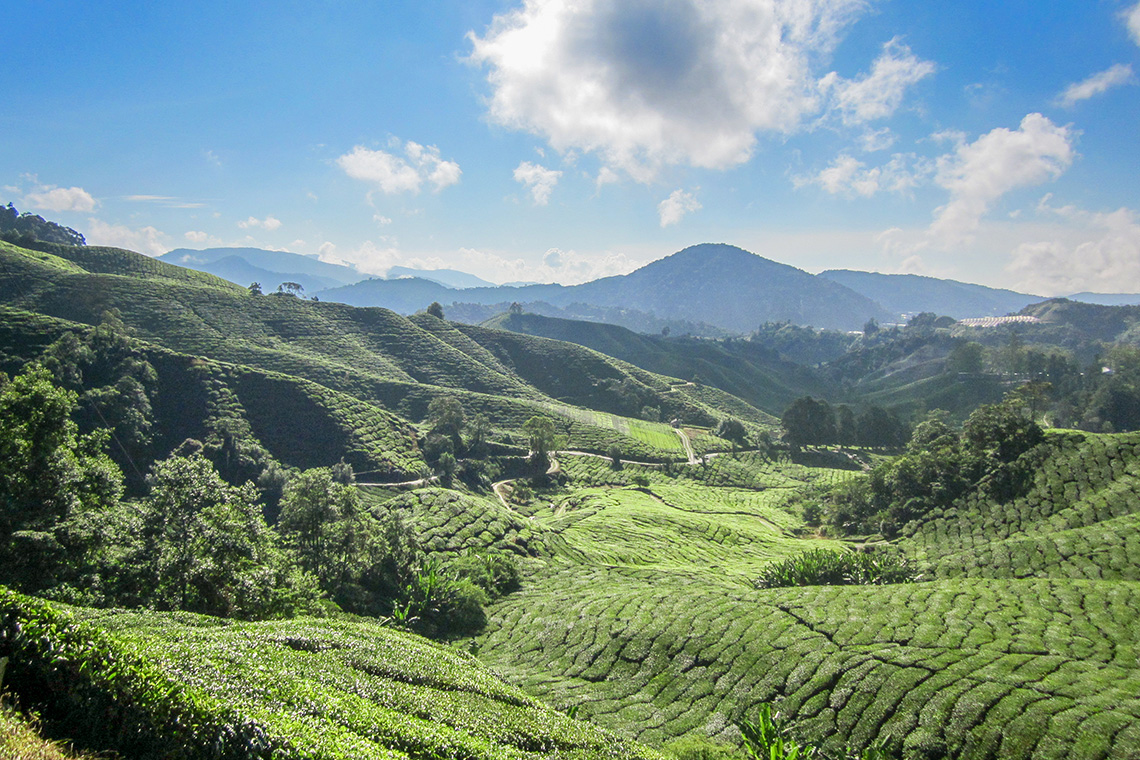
[[561, 140]]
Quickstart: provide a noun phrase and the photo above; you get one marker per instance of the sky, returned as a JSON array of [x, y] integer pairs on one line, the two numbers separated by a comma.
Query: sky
[[564, 140]]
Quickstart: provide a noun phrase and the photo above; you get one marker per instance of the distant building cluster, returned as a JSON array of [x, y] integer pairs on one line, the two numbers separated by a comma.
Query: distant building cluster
[[996, 321]]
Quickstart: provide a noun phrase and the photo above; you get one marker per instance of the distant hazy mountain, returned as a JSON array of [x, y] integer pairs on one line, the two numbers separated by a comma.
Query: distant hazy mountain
[[912, 293], [245, 265], [452, 278], [721, 285], [1107, 299]]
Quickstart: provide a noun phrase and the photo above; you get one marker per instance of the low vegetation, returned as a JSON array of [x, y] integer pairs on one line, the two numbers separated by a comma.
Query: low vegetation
[[825, 567]]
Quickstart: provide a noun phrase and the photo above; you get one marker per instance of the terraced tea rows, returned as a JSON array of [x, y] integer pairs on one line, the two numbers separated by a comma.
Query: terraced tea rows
[[672, 528], [288, 689], [974, 669], [648, 624], [1079, 519], [448, 521]]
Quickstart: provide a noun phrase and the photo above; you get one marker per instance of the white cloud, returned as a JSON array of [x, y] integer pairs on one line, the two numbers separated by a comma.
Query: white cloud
[[849, 176], [872, 141], [1106, 258], [196, 236], [552, 258], [606, 176], [1115, 76], [52, 198], [645, 83], [880, 93], [538, 179], [674, 208], [368, 257], [211, 158], [270, 223], [382, 220], [977, 174], [1132, 18], [394, 174], [168, 201], [146, 240]]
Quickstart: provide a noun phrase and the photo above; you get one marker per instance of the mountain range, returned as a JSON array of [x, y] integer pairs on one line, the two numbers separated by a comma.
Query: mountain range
[[708, 290]]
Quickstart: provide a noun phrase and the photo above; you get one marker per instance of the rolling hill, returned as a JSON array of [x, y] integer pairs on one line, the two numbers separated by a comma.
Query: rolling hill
[[373, 356], [739, 367]]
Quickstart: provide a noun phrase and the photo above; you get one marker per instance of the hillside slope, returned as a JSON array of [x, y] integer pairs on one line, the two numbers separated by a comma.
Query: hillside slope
[[152, 685], [741, 368], [650, 624], [373, 355]]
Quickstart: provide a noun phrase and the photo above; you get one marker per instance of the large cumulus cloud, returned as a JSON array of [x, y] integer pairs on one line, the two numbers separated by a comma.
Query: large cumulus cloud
[[644, 83]]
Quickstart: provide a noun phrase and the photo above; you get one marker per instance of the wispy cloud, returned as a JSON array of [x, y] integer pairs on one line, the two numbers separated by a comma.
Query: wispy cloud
[[395, 174], [1104, 257], [52, 198], [880, 93], [1118, 75], [1132, 19], [146, 240], [269, 223], [674, 208], [539, 180], [167, 201], [977, 174]]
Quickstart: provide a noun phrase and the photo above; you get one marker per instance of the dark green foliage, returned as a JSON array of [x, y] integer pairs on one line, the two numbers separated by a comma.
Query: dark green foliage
[[494, 571], [47, 469], [542, 439], [994, 452], [809, 421], [28, 229], [153, 686], [828, 567], [732, 430], [206, 548], [105, 697]]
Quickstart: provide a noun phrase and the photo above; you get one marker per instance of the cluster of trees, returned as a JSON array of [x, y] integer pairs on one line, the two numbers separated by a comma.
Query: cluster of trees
[[814, 422], [196, 542], [1102, 397], [939, 465], [27, 229]]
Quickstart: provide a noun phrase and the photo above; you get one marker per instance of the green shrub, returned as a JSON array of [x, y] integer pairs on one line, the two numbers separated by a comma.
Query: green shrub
[[826, 567]]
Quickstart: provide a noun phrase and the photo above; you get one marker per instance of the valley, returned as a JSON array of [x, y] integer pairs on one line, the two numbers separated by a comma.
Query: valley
[[602, 464]]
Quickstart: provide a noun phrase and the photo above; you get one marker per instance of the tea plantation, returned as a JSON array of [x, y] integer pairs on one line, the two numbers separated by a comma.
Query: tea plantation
[[649, 625], [180, 685], [638, 620]]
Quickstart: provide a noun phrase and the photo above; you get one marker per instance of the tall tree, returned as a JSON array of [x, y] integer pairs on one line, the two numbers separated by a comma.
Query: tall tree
[[207, 547], [47, 469], [809, 421]]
